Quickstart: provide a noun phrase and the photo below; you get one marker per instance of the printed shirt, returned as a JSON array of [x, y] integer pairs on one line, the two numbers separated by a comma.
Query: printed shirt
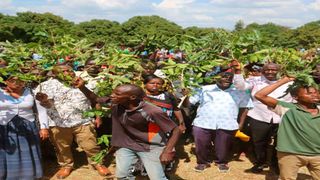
[[91, 82], [298, 131], [140, 129], [69, 104], [10, 107], [218, 109], [260, 111]]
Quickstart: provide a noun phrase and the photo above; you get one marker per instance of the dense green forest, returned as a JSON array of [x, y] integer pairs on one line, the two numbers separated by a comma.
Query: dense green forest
[[34, 27]]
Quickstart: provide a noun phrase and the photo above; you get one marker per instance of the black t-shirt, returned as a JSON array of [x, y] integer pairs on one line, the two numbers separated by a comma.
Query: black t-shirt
[[141, 128]]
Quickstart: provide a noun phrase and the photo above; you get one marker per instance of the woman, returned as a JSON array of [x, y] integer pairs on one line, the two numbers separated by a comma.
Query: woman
[[166, 101], [19, 137]]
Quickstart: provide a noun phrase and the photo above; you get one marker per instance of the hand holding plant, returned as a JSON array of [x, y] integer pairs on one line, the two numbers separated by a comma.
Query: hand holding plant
[[235, 64]]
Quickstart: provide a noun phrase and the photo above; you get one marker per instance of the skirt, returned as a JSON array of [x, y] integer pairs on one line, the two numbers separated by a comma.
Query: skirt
[[20, 156]]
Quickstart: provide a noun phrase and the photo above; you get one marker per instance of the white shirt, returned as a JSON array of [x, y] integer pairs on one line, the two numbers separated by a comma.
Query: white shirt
[[218, 109], [260, 111], [10, 107]]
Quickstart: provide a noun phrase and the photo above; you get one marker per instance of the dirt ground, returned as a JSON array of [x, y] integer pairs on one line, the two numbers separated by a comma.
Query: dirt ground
[[186, 161]]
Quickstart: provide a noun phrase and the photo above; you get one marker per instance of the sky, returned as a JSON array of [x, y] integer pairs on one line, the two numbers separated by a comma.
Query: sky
[[186, 13]]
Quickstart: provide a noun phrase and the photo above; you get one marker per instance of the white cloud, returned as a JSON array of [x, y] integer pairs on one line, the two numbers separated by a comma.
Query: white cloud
[[173, 4], [22, 9], [201, 17], [99, 4], [290, 13], [315, 5], [5, 3], [263, 12]]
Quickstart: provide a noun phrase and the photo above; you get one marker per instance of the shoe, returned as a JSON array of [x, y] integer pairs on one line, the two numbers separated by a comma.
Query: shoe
[[223, 168], [64, 172], [257, 168], [201, 167], [102, 170]]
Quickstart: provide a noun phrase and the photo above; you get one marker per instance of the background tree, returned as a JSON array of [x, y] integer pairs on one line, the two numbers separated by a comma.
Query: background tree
[[197, 31], [239, 25], [272, 35], [33, 27], [153, 27], [308, 35], [101, 30]]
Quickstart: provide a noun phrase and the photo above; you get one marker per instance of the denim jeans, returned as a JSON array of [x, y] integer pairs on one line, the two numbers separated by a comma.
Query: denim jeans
[[126, 158]]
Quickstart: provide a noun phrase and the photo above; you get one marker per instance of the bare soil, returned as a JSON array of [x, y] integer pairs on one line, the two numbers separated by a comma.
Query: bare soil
[[185, 162]]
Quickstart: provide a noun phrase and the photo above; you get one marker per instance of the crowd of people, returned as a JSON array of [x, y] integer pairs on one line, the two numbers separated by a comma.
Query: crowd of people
[[147, 122]]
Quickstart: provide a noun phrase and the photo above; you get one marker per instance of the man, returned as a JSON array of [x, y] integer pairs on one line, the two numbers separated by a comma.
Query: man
[[67, 122], [263, 122], [217, 117], [298, 143], [139, 130], [90, 74]]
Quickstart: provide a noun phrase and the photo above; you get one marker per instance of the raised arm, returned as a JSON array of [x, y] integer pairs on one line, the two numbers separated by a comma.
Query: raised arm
[[238, 80], [79, 83], [263, 97]]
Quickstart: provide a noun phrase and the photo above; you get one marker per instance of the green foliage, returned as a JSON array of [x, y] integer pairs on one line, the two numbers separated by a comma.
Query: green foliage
[[198, 32], [308, 35], [36, 27], [56, 39], [141, 27], [105, 141], [103, 30], [33, 27], [272, 35], [93, 113]]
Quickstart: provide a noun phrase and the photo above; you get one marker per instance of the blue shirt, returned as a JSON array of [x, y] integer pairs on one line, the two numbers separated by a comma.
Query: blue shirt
[[218, 109]]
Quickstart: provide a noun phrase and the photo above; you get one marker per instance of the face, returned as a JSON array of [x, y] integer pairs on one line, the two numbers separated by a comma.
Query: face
[[225, 81], [15, 83], [154, 85], [270, 71], [308, 95], [316, 74], [120, 96]]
